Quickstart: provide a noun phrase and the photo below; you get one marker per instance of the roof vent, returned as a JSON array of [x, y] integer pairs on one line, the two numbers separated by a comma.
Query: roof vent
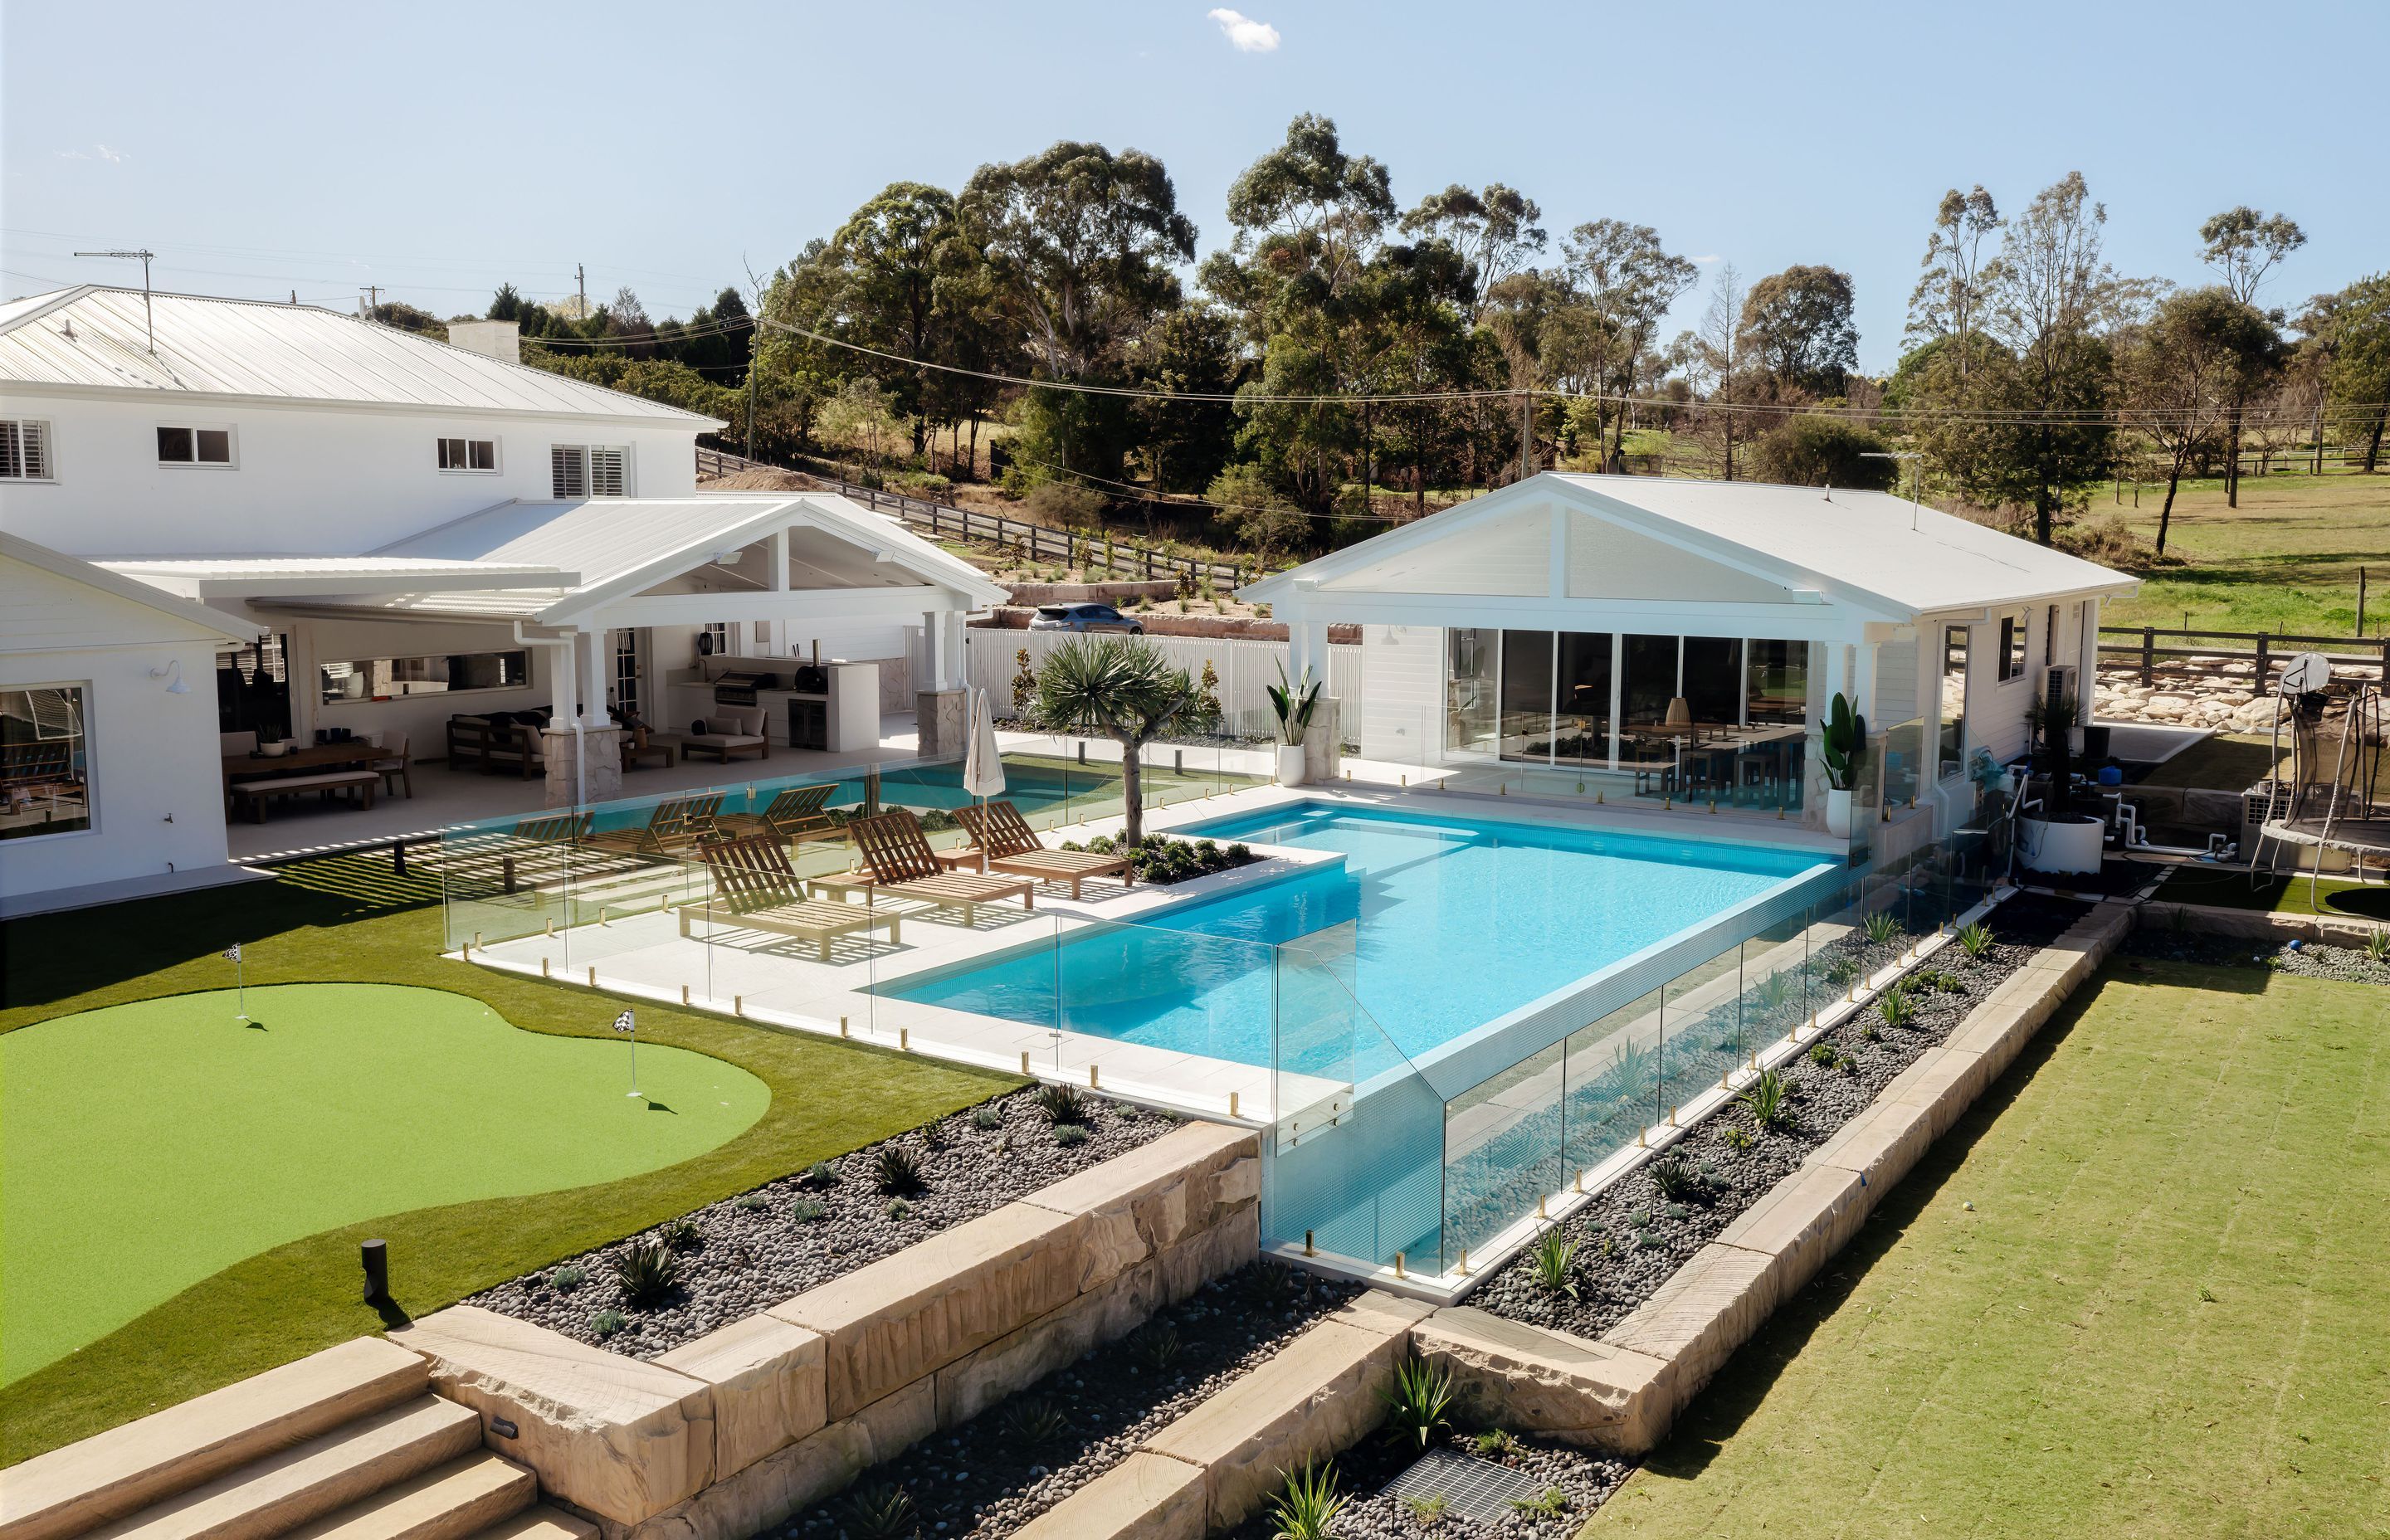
[[498, 340]]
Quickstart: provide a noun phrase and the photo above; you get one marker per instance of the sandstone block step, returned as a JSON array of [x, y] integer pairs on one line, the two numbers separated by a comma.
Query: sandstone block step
[[117, 1473], [448, 1502], [283, 1491], [1579, 1390], [540, 1522]]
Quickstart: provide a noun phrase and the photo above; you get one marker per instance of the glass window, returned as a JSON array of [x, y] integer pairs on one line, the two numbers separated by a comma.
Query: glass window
[[1713, 680], [1582, 734], [2013, 639], [1776, 684], [44, 766], [469, 455], [174, 445], [448, 674], [216, 445], [1469, 662], [24, 450], [1954, 701], [195, 446], [1526, 695]]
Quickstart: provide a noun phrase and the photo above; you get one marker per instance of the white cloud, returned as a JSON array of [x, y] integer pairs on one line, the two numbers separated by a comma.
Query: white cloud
[[97, 152], [1245, 34], [1704, 261]]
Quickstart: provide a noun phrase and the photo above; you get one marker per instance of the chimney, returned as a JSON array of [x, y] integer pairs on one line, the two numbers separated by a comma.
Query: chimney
[[498, 340]]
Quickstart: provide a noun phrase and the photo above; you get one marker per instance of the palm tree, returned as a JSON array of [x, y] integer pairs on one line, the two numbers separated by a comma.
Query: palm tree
[[1121, 686]]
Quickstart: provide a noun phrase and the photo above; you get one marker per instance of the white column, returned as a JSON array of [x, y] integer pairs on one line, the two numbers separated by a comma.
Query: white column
[[950, 659], [934, 651], [1306, 648], [562, 670], [2087, 658], [589, 648]]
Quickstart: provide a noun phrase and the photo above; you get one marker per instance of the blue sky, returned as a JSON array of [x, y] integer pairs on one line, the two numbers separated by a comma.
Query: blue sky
[[436, 149]]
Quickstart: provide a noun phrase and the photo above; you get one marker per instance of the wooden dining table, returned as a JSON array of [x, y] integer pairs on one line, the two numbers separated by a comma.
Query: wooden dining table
[[316, 756]]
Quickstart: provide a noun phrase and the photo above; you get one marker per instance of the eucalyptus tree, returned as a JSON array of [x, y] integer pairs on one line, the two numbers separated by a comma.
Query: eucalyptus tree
[[1494, 231], [1948, 300], [2243, 245], [2183, 370], [1629, 283], [2358, 376], [1799, 328]]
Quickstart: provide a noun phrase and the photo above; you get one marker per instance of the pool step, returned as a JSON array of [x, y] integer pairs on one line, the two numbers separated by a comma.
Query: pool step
[[114, 1475], [275, 1495]]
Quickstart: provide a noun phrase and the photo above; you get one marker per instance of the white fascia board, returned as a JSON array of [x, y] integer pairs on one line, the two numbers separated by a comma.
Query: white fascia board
[[1655, 617], [839, 515], [1275, 588], [684, 556], [386, 585], [793, 604]]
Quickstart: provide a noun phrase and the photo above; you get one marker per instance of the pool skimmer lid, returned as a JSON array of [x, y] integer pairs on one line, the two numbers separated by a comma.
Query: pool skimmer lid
[[1477, 1490]]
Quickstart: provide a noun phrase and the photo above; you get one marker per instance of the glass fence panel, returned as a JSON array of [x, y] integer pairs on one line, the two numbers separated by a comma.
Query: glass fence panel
[[1355, 1164], [1775, 984], [1503, 1149], [1698, 1038], [1611, 1081]]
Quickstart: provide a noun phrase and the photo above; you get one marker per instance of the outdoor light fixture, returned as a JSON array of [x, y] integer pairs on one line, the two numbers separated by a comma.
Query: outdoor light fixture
[[174, 673], [375, 1254]]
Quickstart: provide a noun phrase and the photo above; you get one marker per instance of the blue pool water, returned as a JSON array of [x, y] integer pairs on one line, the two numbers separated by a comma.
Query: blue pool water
[[1435, 927]]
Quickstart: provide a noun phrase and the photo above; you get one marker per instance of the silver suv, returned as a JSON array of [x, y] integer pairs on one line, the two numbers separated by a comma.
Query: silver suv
[[1084, 617]]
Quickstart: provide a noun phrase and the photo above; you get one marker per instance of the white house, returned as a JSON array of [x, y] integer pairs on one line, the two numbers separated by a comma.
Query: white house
[[1680, 641], [398, 531]]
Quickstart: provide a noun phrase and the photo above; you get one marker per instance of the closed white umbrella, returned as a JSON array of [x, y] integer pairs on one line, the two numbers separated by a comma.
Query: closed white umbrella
[[982, 763]]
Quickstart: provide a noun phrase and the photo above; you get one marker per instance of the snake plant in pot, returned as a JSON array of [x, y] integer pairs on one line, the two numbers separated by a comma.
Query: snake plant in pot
[[1841, 748], [1294, 703], [2058, 839]]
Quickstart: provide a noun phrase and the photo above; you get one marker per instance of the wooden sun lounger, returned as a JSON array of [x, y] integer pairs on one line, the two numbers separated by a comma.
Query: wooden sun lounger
[[795, 816], [755, 889], [899, 864], [1012, 846], [677, 824]]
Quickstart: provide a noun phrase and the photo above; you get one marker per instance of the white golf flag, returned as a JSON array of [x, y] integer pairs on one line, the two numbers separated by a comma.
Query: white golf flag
[[232, 953], [624, 1022]]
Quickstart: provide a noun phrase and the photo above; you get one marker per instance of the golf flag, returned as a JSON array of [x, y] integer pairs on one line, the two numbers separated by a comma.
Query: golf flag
[[627, 1024], [232, 953], [239, 980], [624, 1022]]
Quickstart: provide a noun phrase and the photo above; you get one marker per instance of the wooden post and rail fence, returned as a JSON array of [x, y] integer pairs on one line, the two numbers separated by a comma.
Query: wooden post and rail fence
[[1036, 542], [2154, 648]]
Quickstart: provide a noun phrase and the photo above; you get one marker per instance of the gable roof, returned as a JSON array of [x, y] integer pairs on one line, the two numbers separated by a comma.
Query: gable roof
[[620, 547], [1870, 549], [97, 338], [76, 569]]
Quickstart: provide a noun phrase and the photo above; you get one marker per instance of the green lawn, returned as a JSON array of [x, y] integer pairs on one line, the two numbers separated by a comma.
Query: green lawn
[[348, 920], [334, 1103], [2161, 1316], [2285, 560]]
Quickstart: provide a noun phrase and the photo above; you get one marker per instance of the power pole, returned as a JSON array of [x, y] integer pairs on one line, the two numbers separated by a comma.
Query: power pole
[[1527, 434], [581, 280], [149, 320], [372, 293]]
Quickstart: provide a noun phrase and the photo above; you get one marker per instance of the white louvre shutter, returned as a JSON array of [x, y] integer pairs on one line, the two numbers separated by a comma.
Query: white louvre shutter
[[25, 449], [12, 454], [605, 473], [569, 470]]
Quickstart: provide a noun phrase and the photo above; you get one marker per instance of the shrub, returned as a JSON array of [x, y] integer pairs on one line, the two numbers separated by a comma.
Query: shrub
[[1553, 1261], [1880, 928], [1428, 1512], [606, 1323], [1032, 1420], [1675, 1180], [821, 1174], [1896, 1006], [896, 1172], [753, 1202], [1496, 1445], [567, 1278], [1813, 449], [1060, 503], [2377, 946], [804, 1211], [1062, 1104], [1975, 939], [1070, 1136], [882, 1511], [680, 1235], [1418, 1403], [1770, 1100], [1736, 1136], [898, 1210], [649, 1272], [985, 1119], [1309, 1505], [1822, 1053], [1551, 1505]]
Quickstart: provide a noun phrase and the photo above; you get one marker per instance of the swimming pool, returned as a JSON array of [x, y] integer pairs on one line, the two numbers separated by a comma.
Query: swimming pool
[[1436, 925]]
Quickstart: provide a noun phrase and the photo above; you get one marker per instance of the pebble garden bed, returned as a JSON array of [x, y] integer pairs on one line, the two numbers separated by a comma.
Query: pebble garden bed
[[1567, 1483], [747, 1253], [1593, 1268], [2301, 960], [996, 1472]]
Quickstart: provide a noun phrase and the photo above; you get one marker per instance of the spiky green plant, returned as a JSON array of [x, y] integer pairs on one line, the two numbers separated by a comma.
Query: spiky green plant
[[1768, 1099], [882, 1511], [680, 1234], [1495, 1444], [1418, 1403], [1773, 992], [1896, 1006], [896, 1171], [1881, 926], [1122, 687], [1062, 1104], [2377, 946], [1158, 1347], [1552, 1260], [1976, 938], [1676, 1181], [649, 1272], [1034, 1420], [1308, 1505]]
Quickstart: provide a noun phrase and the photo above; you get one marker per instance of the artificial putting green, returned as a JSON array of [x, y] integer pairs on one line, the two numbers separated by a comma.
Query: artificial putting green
[[149, 1145]]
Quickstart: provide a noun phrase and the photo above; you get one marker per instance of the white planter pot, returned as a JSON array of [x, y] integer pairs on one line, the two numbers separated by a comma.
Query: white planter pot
[[1838, 813], [1290, 765], [2070, 847]]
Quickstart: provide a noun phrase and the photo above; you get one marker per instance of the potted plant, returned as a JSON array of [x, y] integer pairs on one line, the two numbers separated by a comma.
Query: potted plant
[[1294, 703], [2059, 838], [1841, 746]]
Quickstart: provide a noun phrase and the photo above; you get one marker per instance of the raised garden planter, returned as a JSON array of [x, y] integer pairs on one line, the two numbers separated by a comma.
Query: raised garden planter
[[753, 1251], [1558, 1485]]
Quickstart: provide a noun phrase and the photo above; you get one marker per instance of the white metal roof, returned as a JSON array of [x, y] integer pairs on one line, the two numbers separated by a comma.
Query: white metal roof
[[93, 575], [1871, 549], [96, 337], [247, 577]]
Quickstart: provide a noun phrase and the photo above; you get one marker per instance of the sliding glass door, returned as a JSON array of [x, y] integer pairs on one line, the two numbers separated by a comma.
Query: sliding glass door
[[1527, 695], [1581, 694]]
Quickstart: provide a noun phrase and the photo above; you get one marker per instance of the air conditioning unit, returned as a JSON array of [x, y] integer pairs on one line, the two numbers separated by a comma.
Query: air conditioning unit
[[2057, 683]]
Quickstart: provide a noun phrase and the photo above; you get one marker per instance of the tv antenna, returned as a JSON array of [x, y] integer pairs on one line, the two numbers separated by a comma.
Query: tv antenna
[[149, 319]]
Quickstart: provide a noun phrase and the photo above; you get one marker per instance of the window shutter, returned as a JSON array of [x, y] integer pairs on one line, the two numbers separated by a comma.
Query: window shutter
[[37, 449], [605, 473], [569, 471], [12, 454]]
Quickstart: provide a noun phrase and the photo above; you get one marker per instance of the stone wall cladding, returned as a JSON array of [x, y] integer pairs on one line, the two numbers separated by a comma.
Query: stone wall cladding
[[729, 1435], [1622, 1392]]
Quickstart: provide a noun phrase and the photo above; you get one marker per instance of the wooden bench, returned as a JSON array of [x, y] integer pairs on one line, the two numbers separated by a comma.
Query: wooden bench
[[256, 794]]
